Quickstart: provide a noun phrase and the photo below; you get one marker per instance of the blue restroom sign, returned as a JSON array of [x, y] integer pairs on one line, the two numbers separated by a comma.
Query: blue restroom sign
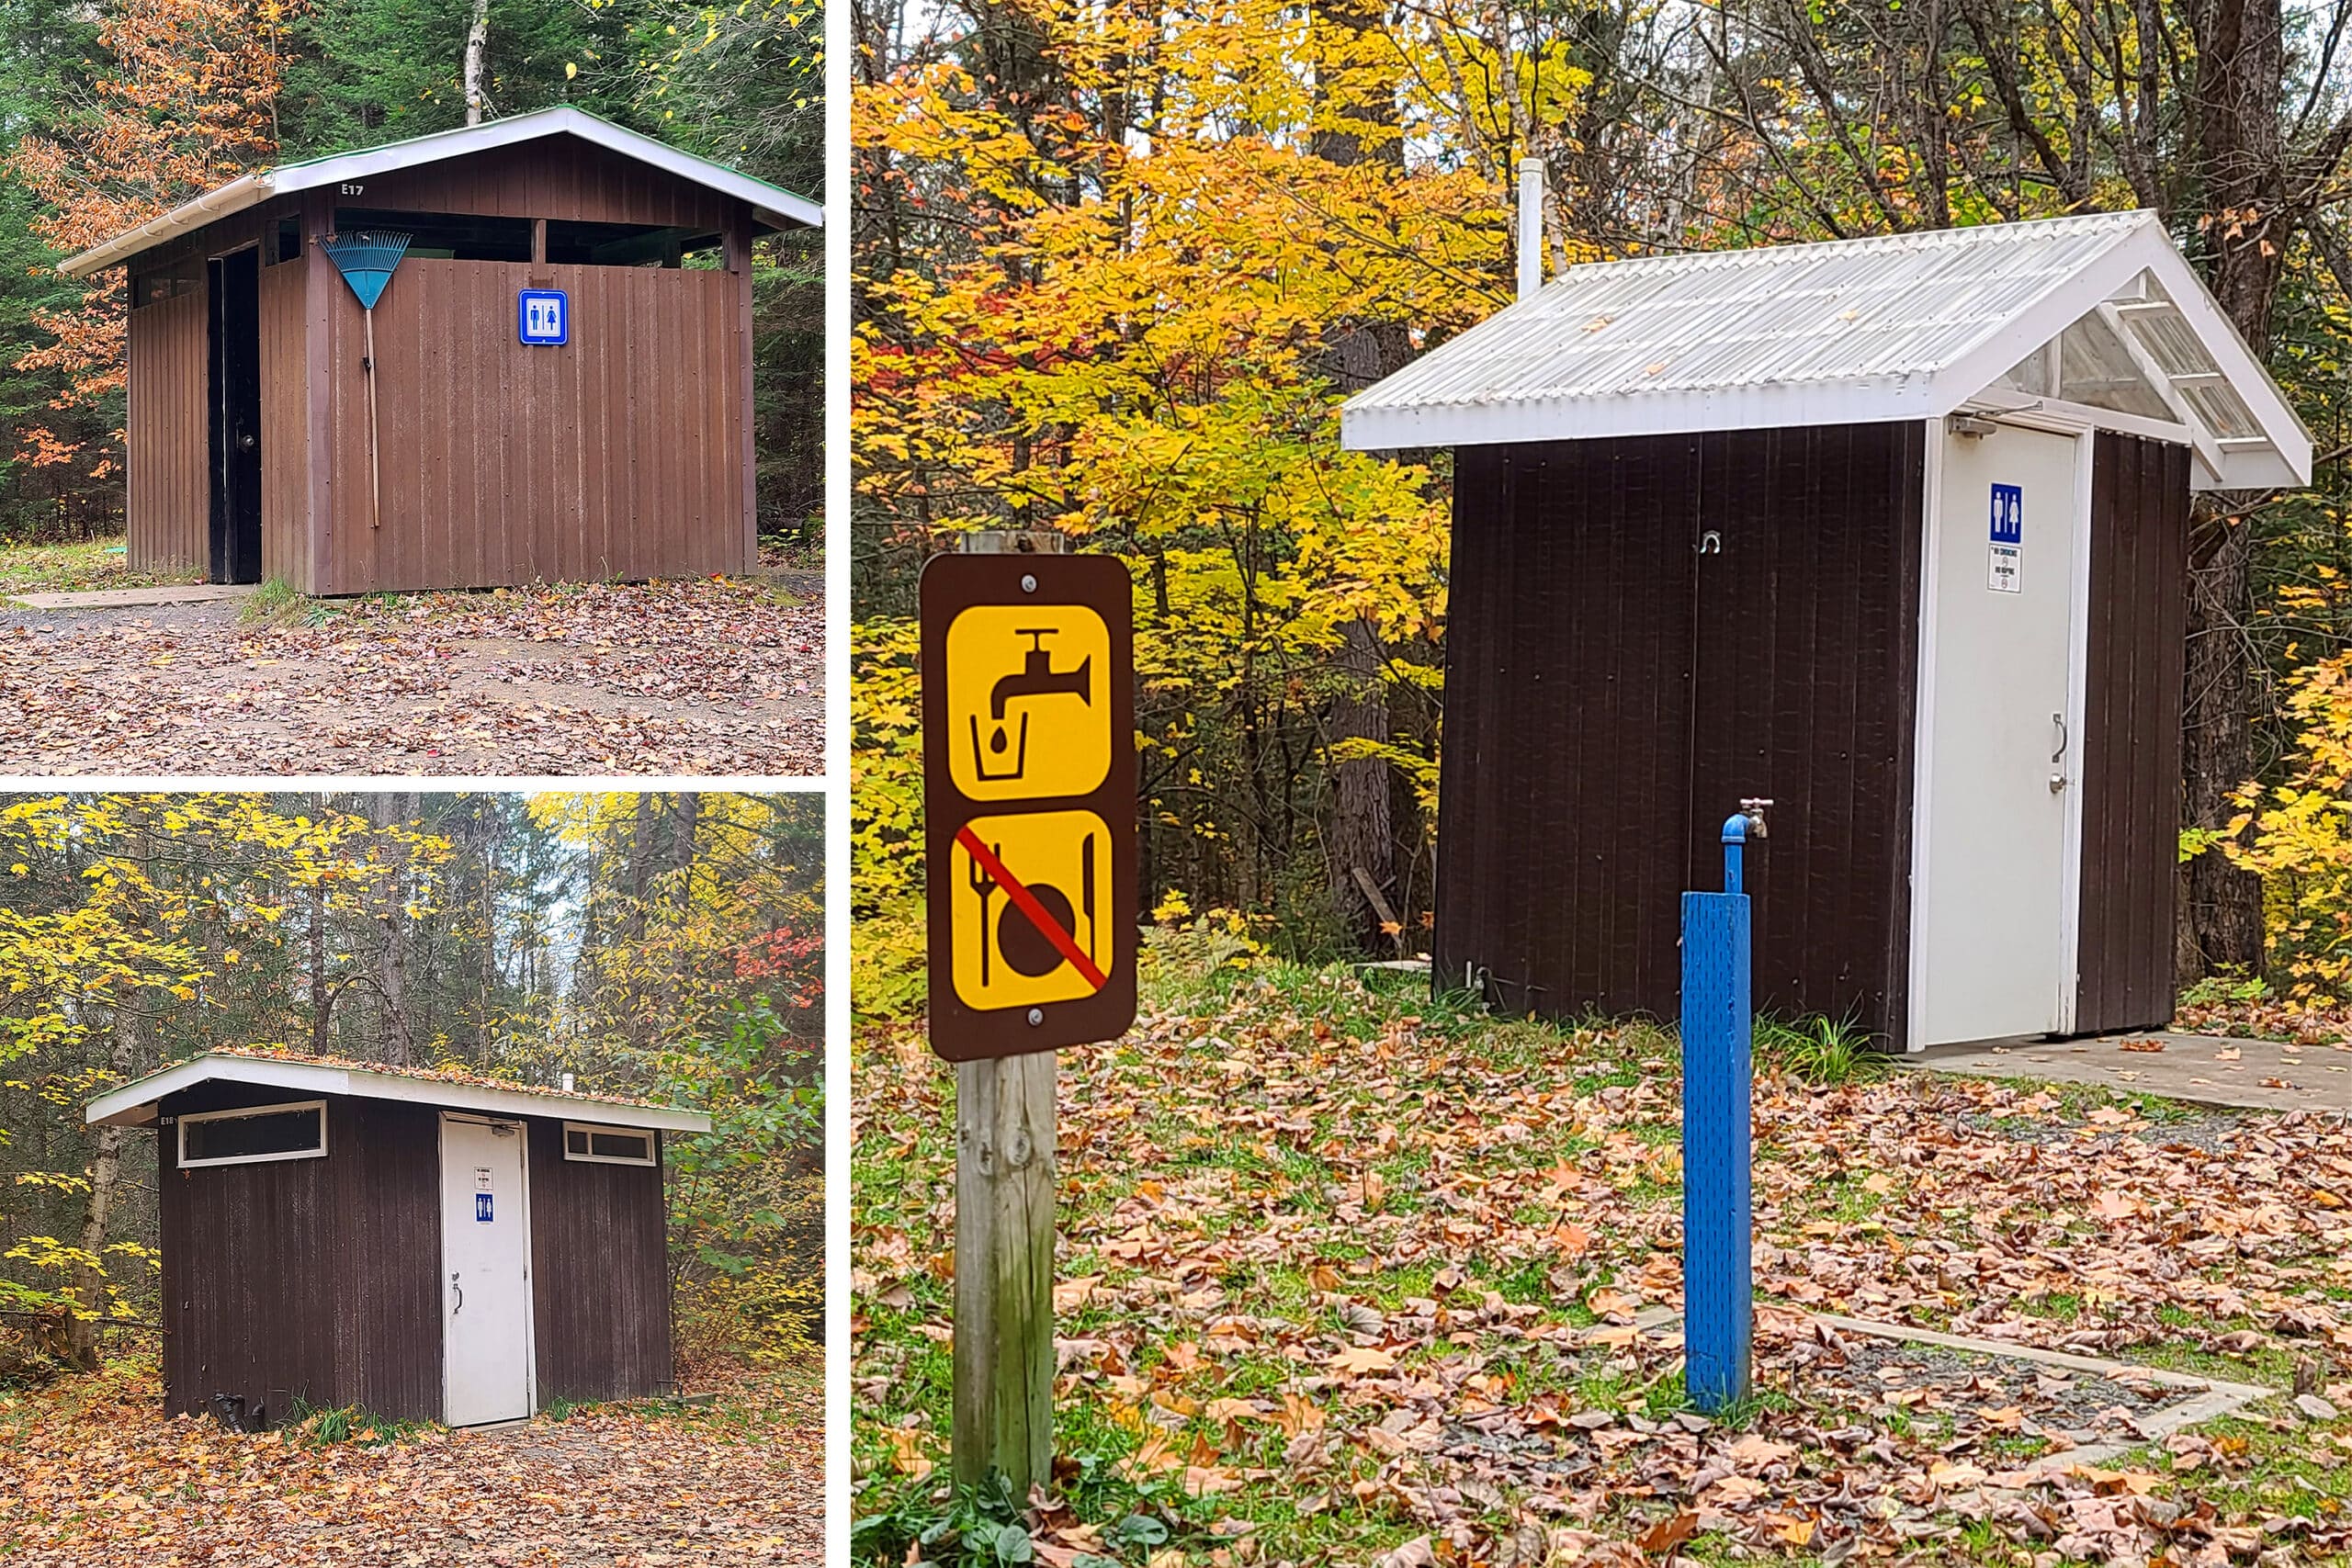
[[2005, 571], [482, 1206], [543, 315]]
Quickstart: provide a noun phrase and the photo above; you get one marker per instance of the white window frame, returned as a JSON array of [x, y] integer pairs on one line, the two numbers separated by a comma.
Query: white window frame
[[244, 1111], [652, 1146]]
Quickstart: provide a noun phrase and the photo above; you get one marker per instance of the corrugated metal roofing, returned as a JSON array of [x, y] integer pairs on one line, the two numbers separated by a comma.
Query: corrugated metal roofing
[[1851, 330]]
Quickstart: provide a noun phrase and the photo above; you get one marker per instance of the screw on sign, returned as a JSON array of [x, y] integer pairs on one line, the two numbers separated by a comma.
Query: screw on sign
[[1029, 804], [1029, 798]]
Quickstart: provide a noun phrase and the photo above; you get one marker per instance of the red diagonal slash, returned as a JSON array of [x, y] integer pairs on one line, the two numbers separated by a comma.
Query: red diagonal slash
[[1026, 902]]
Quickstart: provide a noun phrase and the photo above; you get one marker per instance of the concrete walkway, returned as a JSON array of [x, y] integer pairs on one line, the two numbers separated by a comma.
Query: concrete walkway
[[130, 598], [2201, 1069]]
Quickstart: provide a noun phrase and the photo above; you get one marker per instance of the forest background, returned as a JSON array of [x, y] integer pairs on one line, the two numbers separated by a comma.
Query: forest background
[[113, 112], [1117, 264], [663, 946]]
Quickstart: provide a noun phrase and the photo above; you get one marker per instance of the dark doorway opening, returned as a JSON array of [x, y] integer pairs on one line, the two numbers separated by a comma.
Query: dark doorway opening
[[235, 403]]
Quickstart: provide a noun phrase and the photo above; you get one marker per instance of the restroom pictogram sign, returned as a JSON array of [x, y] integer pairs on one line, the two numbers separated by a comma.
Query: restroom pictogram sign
[[1029, 799]]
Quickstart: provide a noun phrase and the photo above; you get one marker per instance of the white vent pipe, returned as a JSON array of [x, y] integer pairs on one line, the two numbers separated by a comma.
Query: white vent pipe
[[1530, 227]]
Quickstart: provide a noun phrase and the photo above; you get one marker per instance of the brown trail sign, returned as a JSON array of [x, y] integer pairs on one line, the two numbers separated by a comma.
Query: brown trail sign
[[1029, 804]]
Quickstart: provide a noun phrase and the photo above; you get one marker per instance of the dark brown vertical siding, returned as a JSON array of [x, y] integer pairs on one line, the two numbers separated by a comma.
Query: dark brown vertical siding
[[560, 178], [284, 424], [389, 1179], [257, 1281], [1561, 826], [2129, 769], [309, 1278], [1612, 694], [1808, 671], [169, 507], [600, 1282], [489, 472]]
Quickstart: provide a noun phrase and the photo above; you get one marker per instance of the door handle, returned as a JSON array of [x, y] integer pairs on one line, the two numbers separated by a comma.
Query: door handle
[[2057, 782], [245, 443], [461, 1296], [2060, 720]]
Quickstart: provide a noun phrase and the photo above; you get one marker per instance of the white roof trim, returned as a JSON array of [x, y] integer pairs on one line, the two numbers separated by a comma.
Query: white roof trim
[[134, 1104], [1966, 377], [773, 206]]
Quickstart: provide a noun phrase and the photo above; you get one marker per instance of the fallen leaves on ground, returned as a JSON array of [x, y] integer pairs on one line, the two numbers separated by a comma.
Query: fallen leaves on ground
[[1369, 1281], [706, 676], [93, 1475]]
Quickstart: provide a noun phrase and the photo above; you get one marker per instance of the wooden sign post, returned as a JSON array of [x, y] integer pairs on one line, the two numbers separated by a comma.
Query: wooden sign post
[[1029, 832]]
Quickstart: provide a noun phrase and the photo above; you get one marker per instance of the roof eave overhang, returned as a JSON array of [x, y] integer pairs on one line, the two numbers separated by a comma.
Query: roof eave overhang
[[135, 1104], [211, 206], [776, 207], [1763, 407], [1367, 424]]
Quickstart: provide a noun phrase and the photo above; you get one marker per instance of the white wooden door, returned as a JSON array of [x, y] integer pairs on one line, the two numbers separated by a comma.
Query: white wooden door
[[1991, 917], [485, 1273]]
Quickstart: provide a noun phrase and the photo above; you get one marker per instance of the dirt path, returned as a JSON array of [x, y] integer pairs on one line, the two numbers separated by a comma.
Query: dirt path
[[706, 677], [92, 1479]]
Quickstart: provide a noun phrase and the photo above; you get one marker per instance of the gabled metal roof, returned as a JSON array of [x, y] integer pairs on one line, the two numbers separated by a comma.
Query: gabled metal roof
[[771, 205], [134, 1104], [1909, 326]]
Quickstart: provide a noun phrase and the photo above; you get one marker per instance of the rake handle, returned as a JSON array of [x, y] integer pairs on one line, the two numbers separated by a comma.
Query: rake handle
[[375, 478]]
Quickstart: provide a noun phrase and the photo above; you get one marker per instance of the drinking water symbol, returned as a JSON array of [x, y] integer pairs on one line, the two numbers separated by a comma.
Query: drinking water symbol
[[1035, 678]]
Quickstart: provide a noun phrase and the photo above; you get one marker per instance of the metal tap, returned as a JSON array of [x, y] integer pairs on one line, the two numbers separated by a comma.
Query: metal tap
[[1037, 677]]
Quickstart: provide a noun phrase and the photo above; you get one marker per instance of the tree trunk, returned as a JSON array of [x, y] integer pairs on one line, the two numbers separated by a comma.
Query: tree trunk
[[105, 1170], [1360, 839], [320, 1045], [2241, 84], [477, 47], [395, 808]]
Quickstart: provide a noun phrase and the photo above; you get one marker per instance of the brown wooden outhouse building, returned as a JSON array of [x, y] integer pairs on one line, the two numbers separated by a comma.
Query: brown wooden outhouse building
[[427, 1246], [617, 444], [1891, 532]]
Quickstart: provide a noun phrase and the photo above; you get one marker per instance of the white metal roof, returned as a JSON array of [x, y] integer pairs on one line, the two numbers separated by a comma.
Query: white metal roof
[[134, 1104], [1909, 326], [771, 204]]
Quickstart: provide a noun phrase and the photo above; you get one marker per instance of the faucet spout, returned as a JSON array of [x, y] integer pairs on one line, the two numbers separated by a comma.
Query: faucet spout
[[1038, 678]]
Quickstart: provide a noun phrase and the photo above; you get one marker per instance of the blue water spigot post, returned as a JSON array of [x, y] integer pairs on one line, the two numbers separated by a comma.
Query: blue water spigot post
[[1718, 1284]]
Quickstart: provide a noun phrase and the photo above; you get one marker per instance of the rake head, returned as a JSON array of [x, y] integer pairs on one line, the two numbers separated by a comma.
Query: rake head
[[366, 257]]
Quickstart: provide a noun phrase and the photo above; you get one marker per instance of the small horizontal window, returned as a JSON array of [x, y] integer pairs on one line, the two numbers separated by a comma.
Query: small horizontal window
[[624, 244], [606, 1145], [453, 236], [148, 288], [261, 1133]]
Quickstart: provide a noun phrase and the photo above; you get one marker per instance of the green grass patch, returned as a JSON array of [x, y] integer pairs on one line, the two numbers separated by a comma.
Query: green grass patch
[[80, 567]]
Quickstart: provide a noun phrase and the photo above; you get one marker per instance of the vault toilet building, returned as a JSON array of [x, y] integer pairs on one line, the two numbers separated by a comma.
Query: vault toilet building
[[606, 436], [426, 1247], [1890, 531]]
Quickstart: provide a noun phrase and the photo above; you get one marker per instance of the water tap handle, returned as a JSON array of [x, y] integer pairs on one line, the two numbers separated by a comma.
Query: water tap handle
[[1753, 809]]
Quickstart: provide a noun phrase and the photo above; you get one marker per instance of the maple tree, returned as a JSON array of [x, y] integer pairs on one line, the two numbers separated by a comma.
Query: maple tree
[[186, 102], [1114, 270]]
